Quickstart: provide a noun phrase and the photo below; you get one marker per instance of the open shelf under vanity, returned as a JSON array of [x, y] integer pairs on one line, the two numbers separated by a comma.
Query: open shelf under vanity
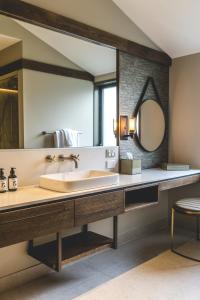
[[72, 248], [139, 198]]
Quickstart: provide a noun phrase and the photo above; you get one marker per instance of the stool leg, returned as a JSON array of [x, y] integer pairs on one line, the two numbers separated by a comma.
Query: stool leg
[[172, 237], [172, 228], [197, 227]]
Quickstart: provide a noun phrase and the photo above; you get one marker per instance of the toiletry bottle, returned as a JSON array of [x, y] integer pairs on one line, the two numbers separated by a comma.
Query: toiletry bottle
[[12, 181], [3, 182]]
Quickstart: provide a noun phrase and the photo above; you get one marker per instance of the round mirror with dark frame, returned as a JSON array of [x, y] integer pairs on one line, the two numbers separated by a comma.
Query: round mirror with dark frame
[[150, 125]]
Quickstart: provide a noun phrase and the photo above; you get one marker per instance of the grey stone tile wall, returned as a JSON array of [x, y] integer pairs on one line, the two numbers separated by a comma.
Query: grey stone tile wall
[[133, 73]]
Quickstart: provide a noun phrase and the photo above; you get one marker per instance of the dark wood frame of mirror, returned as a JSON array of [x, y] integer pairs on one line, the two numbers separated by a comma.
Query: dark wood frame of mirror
[[141, 101]]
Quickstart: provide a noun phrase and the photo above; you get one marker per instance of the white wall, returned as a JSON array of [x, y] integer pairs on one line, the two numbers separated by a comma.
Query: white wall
[[53, 102], [185, 110], [185, 124]]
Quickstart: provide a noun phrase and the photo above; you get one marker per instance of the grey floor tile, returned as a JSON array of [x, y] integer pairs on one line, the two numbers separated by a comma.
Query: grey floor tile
[[115, 262], [85, 275], [73, 281]]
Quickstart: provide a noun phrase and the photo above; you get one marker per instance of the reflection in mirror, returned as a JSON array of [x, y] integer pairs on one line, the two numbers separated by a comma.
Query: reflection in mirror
[[66, 89], [150, 125], [105, 108], [9, 133]]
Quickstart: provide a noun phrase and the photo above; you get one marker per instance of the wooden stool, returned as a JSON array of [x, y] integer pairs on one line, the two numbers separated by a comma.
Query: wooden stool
[[187, 206]]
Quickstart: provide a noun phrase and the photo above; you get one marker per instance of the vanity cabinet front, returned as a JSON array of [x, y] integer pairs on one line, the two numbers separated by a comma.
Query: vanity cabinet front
[[97, 207], [26, 223]]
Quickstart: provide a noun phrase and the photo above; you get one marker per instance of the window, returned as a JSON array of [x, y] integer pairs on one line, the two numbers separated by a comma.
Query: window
[[106, 113]]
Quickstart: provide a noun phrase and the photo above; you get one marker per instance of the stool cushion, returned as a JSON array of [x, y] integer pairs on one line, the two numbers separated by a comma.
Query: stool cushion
[[188, 205]]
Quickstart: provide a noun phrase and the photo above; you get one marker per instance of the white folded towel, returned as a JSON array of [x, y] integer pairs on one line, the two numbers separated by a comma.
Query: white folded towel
[[71, 137], [66, 138], [59, 139]]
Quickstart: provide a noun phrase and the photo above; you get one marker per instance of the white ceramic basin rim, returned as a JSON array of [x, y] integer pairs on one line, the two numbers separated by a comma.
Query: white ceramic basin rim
[[78, 180]]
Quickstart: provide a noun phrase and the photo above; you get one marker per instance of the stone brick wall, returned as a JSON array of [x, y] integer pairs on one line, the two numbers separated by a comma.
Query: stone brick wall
[[133, 72]]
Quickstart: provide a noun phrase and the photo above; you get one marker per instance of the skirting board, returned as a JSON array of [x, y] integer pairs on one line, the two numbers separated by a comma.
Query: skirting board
[[33, 272]]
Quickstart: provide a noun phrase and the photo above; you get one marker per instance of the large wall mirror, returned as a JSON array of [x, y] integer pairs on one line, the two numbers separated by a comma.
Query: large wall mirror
[[150, 125], [55, 90]]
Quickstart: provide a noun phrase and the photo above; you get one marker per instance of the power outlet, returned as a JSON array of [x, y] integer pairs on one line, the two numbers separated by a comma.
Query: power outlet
[[110, 164]]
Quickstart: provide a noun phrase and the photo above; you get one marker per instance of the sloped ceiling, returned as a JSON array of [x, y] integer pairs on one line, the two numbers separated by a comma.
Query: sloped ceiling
[[6, 41], [173, 25], [92, 58], [102, 14]]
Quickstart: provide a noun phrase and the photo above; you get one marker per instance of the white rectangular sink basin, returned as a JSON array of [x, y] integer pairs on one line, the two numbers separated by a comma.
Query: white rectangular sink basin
[[78, 180]]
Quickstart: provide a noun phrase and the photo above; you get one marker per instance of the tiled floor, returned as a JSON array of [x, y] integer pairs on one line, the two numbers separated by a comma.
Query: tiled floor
[[84, 275]]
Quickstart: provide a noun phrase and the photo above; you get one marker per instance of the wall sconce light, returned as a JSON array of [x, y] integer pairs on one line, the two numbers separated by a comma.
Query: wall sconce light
[[127, 127], [132, 127]]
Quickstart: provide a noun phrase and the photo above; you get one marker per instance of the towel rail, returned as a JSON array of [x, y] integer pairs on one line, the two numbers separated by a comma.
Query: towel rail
[[46, 132]]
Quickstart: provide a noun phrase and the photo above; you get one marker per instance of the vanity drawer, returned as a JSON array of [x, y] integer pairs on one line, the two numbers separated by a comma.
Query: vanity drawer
[[170, 184], [25, 224], [93, 208]]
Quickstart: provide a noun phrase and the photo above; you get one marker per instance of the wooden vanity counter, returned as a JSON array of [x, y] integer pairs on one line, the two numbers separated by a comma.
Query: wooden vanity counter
[[33, 212]]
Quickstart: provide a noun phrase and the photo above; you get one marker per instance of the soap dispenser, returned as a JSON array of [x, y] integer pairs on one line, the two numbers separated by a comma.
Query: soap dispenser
[[3, 181], [12, 181]]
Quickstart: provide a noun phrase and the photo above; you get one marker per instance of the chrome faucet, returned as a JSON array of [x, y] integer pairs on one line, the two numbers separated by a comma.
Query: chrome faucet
[[73, 157]]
